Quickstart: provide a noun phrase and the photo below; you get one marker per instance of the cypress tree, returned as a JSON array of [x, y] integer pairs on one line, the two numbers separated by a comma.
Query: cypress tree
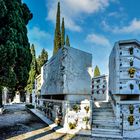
[[57, 39], [42, 59], [67, 41], [63, 33], [55, 49], [33, 71], [96, 71], [15, 53]]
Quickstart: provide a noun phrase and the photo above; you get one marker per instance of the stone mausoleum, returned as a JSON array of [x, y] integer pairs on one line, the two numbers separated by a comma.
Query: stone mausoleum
[[124, 85], [67, 75], [66, 89]]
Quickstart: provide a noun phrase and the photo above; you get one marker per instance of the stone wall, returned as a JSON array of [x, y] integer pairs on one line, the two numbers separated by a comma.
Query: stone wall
[[128, 115], [100, 88], [121, 61]]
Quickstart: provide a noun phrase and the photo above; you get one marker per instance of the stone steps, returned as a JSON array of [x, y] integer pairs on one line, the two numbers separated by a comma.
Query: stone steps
[[107, 114], [102, 110], [102, 117], [108, 137], [102, 105], [104, 122], [105, 126], [106, 131]]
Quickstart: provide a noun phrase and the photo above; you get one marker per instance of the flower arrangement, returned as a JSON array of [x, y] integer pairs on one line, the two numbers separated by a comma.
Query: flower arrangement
[[131, 119], [86, 119], [58, 121], [131, 71], [131, 86], [131, 109], [131, 50], [72, 125], [86, 108], [76, 108], [131, 62]]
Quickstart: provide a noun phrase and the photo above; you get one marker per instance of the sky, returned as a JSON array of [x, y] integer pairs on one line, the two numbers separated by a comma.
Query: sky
[[92, 25]]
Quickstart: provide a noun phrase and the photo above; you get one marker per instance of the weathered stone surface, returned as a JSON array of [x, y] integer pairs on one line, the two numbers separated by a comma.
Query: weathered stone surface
[[68, 72]]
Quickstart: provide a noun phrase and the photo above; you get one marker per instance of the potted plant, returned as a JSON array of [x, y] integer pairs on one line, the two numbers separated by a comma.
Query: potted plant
[[86, 108], [131, 109], [72, 125], [131, 86], [131, 50], [131, 72], [58, 121], [86, 120], [76, 108], [131, 119], [131, 62]]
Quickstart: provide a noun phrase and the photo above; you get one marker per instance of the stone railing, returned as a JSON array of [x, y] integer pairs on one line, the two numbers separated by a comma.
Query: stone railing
[[71, 115]]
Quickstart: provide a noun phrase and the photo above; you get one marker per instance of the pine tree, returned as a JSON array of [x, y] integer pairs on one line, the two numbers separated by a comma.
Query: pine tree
[[42, 59], [15, 56], [67, 41], [63, 33], [33, 71], [96, 71], [57, 39]]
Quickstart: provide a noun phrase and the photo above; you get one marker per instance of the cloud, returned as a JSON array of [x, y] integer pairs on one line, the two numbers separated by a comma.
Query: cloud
[[39, 38], [73, 10], [36, 34], [132, 28], [98, 40]]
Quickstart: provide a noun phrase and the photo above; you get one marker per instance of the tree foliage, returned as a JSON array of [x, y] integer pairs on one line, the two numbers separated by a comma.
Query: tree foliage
[[96, 71], [57, 37], [33, 71], [67, 41], [63, 33], [42, 59], [15, 53]]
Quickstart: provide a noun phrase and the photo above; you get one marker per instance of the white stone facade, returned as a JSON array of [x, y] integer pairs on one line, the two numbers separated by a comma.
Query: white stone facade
[[100, 88], [124, 69], [124, 85], [38, 84], [68, 73]]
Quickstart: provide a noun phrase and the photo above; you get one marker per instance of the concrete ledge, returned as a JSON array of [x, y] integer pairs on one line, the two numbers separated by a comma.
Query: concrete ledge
[[57, 128]]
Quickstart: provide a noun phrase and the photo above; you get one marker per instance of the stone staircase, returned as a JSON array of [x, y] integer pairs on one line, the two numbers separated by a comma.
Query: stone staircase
[[103, 121]]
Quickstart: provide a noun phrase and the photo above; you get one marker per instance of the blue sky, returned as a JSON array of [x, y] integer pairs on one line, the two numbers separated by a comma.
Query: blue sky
[[92, 25]]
